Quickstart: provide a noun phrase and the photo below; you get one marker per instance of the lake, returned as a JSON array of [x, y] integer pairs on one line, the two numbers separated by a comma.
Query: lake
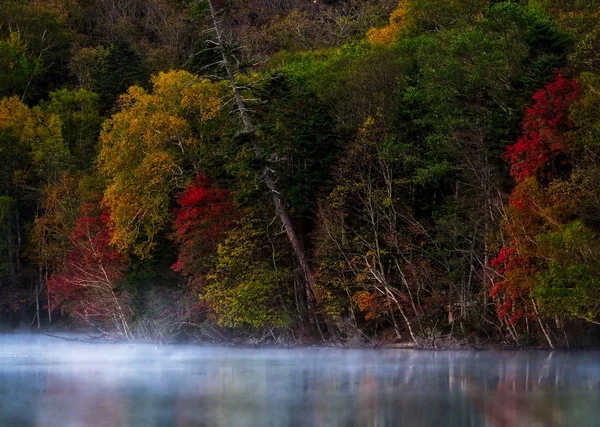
[[50, 382]]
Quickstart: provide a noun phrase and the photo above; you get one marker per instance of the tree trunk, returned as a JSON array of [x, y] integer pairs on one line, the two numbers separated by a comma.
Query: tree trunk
[[389, 294], [48, 294], [268, 174], [38, 290], [537, 315]]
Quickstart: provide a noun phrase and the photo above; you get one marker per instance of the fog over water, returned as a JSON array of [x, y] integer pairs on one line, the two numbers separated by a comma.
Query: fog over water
[[49, 382]]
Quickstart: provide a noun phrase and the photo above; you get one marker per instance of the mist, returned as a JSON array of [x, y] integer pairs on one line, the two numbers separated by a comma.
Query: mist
[[46, 381]]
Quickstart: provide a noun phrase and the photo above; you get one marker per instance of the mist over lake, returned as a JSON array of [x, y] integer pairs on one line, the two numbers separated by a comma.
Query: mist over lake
[[45, 381]]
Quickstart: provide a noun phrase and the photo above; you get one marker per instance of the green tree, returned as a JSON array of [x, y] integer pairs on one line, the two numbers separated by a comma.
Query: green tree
[[245, 289], [80, 117], [122, 68]]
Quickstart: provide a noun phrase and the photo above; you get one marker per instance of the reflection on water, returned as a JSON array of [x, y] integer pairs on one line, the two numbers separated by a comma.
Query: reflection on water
[[45, 382]]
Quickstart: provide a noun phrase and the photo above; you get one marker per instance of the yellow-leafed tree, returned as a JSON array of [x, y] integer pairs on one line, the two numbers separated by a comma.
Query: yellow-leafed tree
[[142, 148]]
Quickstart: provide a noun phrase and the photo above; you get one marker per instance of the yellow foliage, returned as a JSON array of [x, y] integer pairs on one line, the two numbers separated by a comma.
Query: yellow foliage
[[243, 289], [140, 147], [387, 34], [410, 14], [40, 132], [13, 113]]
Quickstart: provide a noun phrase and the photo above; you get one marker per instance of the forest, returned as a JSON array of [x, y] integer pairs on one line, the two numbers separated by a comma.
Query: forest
[[350, 172]]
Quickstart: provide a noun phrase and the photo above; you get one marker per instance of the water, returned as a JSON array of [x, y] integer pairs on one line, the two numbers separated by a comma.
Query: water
[[50, 382]]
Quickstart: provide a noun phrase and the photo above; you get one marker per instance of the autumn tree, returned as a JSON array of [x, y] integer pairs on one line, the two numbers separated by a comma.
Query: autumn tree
[[203, 218], [88, 287], [50, 243], [144, 152], [370, 247], [550, 256], [33, 154]]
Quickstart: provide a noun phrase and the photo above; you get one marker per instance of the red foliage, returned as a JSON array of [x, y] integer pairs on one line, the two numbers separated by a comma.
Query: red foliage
[[86, 288], [202, 221], [512, 290], [534, 160], [544, 129]]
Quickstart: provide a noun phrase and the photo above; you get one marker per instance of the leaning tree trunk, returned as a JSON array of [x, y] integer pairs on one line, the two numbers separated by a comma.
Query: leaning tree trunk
[[268, 174]]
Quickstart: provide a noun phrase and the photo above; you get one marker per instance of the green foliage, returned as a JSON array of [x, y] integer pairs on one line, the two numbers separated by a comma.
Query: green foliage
[[354, 81], [81, 121], [586, 112], [570, 285], [299, 142], [47, 40], [122, 68], [16, 67], [245, 289]]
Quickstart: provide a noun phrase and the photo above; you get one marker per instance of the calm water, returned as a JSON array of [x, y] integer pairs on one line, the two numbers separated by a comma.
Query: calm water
[[49, 382]]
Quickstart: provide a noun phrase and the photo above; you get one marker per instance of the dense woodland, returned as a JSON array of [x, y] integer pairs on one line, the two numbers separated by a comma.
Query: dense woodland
[[343, 171]]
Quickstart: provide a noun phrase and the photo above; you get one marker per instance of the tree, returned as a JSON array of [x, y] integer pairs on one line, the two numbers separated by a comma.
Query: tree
[[370, 244], [144, 151], [202, 222], [16, 66], [428, 15], [79, 114], [541, 151], [120, 69], [244, 289], [34, 155], [550, 258], [49, 237], [88, 287], [45, 38], [268, 174]]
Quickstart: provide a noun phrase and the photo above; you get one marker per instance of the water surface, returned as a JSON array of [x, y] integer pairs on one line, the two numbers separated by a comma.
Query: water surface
[[50, 382]]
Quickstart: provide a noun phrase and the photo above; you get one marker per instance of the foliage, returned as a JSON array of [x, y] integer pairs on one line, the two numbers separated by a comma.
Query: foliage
[[369, 246], [16, 67], [244, 289], [202, 221], [39, 138], [551, 257], [545, 126], [429, 153], [43, 38], [50, 233], [81, 121], [142, 152], [88, 287], [119, 69]]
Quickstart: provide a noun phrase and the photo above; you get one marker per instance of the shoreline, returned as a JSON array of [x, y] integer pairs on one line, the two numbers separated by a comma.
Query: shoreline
[[92, 337]]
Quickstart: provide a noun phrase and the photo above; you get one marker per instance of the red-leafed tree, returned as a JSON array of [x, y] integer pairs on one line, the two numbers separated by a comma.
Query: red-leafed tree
[[539, 204], [205, 215], [88, 287], [543, 146]]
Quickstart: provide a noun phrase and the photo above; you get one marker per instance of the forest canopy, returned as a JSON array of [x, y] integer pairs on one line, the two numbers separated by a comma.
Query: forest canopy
[[340, 170]]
